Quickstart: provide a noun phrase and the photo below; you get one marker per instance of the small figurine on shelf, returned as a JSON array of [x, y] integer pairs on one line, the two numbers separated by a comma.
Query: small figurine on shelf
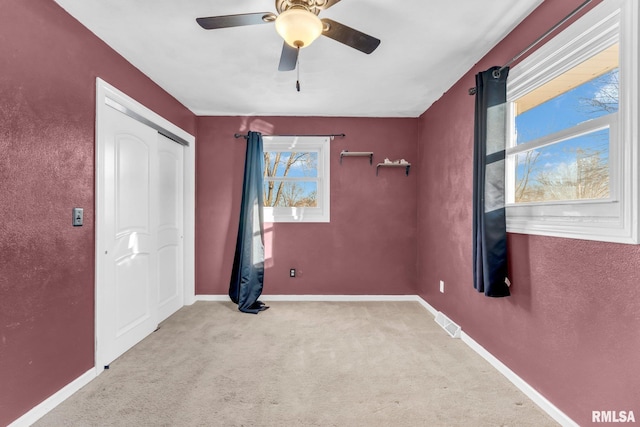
[[387, 161]]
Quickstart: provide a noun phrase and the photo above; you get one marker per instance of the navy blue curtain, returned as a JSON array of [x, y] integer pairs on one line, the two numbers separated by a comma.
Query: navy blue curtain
[[489, 219], [247, 276]]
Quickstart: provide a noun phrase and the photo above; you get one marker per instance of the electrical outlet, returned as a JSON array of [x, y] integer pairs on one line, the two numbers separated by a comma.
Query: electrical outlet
[[442, 286], [292, 272]]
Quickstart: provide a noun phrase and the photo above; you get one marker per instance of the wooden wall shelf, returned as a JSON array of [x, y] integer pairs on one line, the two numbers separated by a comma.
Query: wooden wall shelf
[[346, 153]]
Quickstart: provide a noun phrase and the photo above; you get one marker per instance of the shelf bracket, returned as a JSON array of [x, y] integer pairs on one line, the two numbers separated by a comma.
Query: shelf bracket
[[406, 166]]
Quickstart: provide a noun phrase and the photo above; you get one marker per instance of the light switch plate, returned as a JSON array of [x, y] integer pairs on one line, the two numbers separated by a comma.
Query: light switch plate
[[78, 214]]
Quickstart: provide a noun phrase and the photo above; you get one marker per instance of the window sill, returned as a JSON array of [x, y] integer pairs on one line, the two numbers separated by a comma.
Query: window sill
[[292, 215], [604, 228]]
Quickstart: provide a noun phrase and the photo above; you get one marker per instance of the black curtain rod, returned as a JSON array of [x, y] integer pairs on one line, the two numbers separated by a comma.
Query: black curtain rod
[[333, 135], [472, 91]]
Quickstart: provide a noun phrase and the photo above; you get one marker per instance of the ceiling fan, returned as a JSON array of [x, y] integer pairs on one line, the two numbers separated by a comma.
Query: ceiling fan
[[298, 23]]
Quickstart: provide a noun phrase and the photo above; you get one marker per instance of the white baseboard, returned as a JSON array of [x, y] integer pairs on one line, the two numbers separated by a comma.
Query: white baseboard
[[521, 384], [427, 306], [212, 298], [337, 298], [60, 396]]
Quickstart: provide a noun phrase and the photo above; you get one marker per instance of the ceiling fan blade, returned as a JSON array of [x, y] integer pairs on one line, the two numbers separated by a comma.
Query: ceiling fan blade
[[289, 58], [215, 22], [347, 35]]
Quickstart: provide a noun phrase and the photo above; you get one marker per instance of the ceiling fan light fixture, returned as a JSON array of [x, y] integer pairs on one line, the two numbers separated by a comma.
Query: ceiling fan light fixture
[[298, 27]]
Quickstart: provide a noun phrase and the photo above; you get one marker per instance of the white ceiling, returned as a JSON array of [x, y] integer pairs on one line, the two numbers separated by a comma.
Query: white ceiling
[[427, 45]]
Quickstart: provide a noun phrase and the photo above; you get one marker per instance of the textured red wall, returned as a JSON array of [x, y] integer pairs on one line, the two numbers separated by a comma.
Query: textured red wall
[[368, 247], [48, 64], [571, 327]]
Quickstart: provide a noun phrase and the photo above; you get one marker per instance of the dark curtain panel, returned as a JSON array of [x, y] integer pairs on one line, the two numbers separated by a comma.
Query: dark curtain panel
[[489, 220], [247, 276]]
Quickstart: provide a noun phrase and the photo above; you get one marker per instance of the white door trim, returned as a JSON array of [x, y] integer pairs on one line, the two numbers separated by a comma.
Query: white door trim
[[105, 93]]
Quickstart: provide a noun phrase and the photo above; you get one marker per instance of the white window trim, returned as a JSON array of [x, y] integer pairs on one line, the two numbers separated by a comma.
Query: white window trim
[[614, 219], [320, 145]]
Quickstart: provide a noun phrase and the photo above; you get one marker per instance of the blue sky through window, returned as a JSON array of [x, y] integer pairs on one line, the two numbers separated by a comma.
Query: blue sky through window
[[570, 108], [574, 168]]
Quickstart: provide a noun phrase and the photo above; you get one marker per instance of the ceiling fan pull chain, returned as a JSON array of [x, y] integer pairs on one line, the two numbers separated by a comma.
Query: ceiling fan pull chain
[[298, 71]]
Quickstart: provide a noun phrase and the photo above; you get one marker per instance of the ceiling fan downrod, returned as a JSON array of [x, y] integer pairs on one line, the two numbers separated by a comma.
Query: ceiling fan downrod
[[298, 71]]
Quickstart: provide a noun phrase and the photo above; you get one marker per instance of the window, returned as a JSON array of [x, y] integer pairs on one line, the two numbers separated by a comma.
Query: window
[[296, 179], [563, 132], [572, 155]]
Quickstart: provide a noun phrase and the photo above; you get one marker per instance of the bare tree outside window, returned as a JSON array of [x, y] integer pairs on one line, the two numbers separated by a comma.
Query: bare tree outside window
[[524, 191], [606, 99], [284, 179]]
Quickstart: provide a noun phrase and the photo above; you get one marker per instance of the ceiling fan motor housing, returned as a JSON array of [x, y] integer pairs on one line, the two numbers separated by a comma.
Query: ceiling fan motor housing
[[313, 6]]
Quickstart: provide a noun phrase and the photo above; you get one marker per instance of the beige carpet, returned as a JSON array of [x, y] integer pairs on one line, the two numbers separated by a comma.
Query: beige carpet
[[300, 364]]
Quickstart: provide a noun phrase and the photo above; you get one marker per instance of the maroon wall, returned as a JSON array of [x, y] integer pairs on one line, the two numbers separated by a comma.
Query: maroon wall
[[48, 64], [369, 246], [571, 328]]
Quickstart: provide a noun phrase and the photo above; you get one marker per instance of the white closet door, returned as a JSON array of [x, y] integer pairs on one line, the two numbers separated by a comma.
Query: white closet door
[[128, 294], [170, 227]]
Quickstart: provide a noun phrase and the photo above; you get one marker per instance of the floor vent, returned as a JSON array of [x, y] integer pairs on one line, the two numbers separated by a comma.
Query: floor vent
[[446, 323]]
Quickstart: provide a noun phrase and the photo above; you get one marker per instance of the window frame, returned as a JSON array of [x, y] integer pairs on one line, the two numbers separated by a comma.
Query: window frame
[[320, 145], [614, 219]]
